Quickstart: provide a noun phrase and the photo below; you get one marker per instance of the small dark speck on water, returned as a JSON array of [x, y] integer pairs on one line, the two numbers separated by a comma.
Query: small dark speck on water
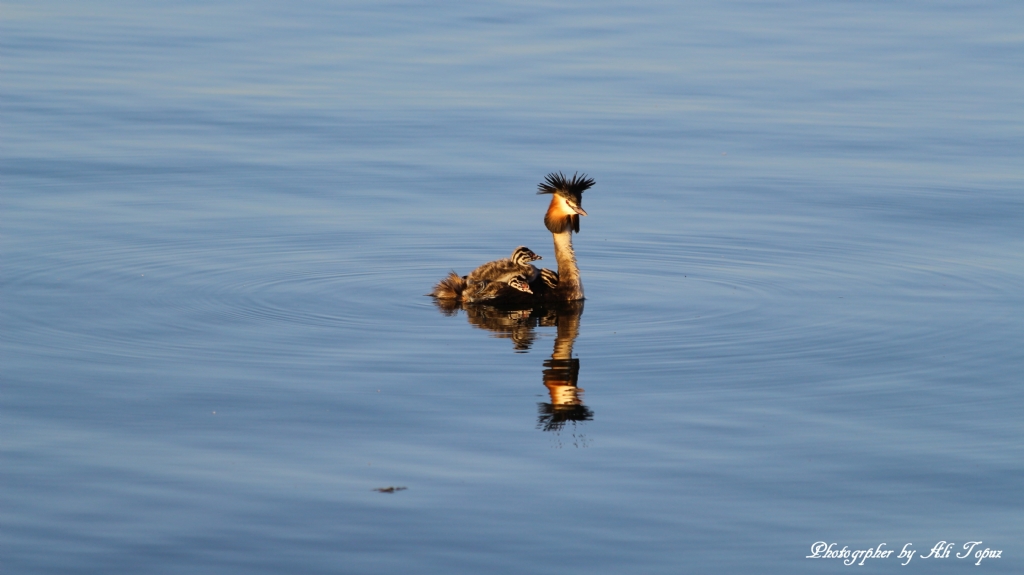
[[390, 489]]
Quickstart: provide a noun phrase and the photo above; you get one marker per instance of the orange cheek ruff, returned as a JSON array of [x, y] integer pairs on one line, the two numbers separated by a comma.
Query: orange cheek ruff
[[560, 217]]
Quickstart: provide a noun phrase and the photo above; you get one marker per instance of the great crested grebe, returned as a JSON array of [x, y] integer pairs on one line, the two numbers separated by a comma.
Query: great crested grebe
[[562, 219]]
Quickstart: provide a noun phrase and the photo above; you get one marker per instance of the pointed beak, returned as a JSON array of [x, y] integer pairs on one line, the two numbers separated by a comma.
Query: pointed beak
[[578, 210]]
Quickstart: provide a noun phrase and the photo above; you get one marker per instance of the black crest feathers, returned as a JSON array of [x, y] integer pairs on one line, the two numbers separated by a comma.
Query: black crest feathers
[[559, 184]]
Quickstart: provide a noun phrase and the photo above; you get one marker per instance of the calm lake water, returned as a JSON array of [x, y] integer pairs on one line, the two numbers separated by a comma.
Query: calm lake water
[[803, 264]]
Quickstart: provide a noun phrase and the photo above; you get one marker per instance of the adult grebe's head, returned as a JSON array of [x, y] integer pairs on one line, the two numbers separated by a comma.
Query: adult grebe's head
[[566, 204]]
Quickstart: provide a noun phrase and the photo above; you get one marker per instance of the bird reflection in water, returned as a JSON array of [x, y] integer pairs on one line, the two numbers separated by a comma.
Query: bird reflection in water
[[561, 372]]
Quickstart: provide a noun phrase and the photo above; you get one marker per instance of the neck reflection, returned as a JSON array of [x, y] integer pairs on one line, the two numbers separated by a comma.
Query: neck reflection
[[561, 372]]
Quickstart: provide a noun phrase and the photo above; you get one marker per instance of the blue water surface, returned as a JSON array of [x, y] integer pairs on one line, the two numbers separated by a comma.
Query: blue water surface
[[802, 260]]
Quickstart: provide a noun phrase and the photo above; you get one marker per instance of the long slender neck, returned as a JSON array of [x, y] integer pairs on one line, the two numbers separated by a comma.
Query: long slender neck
[[569, 286]]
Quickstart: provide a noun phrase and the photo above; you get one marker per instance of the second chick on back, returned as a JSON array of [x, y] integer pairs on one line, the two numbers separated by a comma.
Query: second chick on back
[[486, 290]]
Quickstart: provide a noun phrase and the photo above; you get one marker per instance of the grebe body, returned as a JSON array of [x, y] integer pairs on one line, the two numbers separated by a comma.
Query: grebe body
[[497, 281]]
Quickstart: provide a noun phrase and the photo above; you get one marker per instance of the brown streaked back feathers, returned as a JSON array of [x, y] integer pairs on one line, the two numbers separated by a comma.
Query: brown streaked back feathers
[[504, 269]]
